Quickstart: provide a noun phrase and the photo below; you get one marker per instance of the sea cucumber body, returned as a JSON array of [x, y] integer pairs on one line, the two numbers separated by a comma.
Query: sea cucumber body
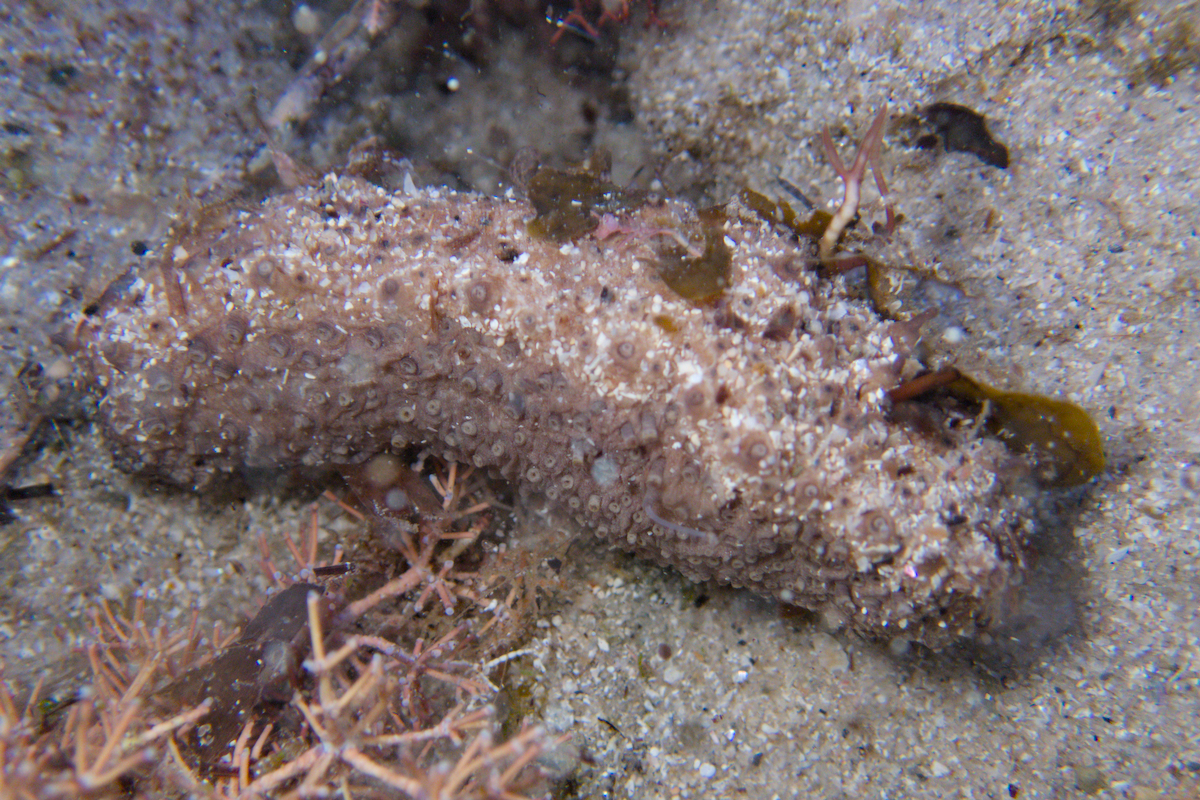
[[340, 321]]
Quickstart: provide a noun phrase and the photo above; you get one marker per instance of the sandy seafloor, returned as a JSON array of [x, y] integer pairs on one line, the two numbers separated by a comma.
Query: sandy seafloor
[[1080, 274]]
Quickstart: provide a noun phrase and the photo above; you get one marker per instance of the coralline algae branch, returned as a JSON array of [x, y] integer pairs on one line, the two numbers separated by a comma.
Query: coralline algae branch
[[746, 441]]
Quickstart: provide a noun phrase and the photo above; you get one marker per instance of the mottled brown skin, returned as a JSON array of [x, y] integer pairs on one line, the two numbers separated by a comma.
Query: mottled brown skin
[[747, 441]]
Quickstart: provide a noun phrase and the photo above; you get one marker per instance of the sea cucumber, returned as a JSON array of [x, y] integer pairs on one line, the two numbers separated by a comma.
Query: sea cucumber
[[341, 320]]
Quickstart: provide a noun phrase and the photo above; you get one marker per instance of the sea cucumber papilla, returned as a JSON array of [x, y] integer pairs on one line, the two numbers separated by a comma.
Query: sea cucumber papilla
[[747, 441]]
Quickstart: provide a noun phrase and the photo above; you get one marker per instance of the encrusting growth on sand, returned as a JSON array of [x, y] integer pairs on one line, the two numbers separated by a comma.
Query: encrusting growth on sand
[[745, 438]]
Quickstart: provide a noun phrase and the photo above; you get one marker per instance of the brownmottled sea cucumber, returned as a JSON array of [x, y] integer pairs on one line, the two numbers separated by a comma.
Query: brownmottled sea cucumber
[[748, 442]]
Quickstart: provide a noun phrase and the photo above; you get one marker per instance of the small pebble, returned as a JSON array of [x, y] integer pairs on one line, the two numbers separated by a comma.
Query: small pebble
[[707, 770], [306, 20], [1189, 477], [829, 653], [1090, 780], [57, 370]]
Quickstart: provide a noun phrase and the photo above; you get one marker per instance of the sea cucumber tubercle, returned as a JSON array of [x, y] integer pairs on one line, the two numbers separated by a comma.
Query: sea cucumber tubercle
[[340, 321]]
